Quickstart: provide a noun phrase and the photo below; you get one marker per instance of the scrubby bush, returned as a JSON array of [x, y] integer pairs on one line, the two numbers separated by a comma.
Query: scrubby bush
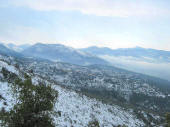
[[93, 123], [168, 120], [35, 103], [8, 75]]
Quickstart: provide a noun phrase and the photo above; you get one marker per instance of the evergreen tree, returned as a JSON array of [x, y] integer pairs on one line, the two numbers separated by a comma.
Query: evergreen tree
[[33, 108], [168, 120]]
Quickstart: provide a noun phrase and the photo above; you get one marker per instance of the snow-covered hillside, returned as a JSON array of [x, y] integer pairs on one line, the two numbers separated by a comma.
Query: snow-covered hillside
[[79, 111], [108, 82], [72, 108], [7, 99]]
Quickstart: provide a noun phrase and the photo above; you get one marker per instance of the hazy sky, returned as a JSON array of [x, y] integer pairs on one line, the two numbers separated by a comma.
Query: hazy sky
[[82, 23]]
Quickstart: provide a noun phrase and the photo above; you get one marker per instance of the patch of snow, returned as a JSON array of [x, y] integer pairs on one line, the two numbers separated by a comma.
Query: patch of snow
[[8, 67], [6, 93], [78, 110]]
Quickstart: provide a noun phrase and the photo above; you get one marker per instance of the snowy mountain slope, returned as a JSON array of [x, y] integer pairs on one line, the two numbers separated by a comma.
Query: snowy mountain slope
[[83, 110], [78, 110], [108, 84], [10, 68], [6, 100], [73, 108], [57, 52]]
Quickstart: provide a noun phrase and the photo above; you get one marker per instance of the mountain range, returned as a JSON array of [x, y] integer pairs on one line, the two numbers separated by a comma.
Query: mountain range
[[58, 52], [147, 61], [111, 95], [137, 52], [142, 60]]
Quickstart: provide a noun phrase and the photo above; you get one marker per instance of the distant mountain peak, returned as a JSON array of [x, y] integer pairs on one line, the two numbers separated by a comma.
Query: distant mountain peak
[[59, 52], [138, 47]]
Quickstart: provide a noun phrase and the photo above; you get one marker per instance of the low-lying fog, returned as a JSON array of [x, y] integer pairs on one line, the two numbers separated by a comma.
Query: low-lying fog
[[142, 65]]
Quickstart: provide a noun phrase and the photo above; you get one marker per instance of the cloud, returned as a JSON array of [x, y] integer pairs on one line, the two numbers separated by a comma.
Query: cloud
[[118, 8], [25, 34]]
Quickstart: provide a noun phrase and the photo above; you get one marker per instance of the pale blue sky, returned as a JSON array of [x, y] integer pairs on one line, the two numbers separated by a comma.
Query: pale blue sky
[[82, 23]]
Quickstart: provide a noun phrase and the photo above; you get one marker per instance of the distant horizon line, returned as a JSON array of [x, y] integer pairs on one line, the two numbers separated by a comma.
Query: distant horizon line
[[137, 46]]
